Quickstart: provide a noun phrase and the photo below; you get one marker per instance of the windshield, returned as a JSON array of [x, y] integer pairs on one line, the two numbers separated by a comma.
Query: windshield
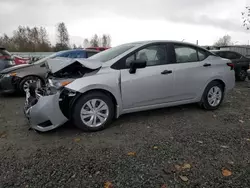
[[47, 57], [112, 52]]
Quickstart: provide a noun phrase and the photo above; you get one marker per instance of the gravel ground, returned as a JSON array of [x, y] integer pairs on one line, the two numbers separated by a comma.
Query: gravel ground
[[174, 147]]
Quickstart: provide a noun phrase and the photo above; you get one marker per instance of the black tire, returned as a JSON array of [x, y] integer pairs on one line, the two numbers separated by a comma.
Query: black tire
[[242, 75], [76, 109], [25, 79], [204, 101]]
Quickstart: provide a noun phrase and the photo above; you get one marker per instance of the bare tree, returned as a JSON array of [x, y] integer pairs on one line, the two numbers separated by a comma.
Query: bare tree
[[44, 40], [106, 40], [224, 41], [94, 42], [246, 18], [86, 43], [27, 39], [62, 37]]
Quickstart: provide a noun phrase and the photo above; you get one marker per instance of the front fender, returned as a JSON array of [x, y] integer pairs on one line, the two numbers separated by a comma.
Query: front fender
[[103, 80]]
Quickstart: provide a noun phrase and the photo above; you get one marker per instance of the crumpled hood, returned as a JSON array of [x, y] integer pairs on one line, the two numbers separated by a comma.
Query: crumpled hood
[[58, 64], [16, 67]]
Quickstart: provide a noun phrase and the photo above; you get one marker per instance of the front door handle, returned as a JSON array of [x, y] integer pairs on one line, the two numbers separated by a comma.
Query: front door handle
[[207, 65], [166, 72]]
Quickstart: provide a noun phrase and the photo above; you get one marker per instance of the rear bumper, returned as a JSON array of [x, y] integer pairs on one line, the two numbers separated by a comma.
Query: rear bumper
[[45, 113]]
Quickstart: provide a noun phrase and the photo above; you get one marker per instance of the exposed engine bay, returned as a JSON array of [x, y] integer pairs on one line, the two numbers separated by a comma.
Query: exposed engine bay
[[59, 72], [75, 70], [62, 70], [43, 100]]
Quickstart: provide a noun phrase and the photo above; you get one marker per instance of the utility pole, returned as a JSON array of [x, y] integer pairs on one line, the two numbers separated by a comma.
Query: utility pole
[[197, 42]]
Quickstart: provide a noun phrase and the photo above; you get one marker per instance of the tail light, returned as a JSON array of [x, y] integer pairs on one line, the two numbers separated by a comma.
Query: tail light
[[231, 65]]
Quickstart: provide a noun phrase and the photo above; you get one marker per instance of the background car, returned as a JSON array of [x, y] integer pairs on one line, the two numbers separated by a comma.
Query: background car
[[241, 63], [5, 59], [128, 78], [17, 78], [13, 59], [20, 60]]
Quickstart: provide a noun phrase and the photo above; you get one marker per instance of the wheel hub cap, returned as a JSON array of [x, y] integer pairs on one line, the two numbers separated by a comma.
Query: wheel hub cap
[[94, 113], [214, 96]]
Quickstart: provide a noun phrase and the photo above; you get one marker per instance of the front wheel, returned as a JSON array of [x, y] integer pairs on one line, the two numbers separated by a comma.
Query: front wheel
[[212, 96], [24, 84], [93, 111]]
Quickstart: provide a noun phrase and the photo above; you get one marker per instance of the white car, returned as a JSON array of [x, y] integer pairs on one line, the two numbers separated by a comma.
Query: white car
[[129, 78]]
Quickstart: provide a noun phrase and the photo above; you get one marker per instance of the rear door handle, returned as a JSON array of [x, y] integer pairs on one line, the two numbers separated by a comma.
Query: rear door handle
[[166, 72], [207, 65]]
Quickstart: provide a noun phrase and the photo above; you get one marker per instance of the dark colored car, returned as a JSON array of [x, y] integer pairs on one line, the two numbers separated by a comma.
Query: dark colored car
[[241, 63], [5, 59], [18, 78]]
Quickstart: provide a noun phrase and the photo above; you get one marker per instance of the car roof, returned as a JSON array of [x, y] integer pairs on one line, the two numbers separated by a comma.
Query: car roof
[[161, 41], [165, 41]]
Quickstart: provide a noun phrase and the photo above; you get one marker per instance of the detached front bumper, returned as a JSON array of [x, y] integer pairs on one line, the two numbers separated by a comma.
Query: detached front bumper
[[43, 112]]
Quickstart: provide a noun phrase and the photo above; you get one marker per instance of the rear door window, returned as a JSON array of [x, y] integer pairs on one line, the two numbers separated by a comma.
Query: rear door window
[[222, 54], [232, 55], [202, 54]]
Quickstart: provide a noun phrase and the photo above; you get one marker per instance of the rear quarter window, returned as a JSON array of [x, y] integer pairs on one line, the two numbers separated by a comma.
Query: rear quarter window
[[202, 54]]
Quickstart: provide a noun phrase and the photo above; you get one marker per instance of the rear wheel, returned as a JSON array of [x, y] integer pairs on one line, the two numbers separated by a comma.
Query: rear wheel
[[93, 111], [242, 75], [212, 96]]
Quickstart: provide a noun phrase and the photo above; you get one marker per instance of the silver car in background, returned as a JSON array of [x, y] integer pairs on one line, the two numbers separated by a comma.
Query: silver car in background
[[129, 78]]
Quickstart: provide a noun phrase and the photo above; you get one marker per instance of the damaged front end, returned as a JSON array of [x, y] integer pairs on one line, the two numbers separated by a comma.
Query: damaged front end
[[49, 106]]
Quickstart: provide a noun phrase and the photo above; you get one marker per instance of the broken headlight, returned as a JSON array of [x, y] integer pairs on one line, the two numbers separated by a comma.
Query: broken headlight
[[58, 84]]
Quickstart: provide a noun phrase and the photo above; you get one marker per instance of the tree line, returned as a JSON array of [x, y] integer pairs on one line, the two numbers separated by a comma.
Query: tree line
[[36, 39]]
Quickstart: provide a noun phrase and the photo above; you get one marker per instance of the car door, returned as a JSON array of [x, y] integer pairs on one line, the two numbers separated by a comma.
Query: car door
[[151, 85], [192, 70]]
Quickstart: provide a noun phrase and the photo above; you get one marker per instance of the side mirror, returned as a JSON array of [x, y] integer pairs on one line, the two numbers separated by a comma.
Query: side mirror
[[137, 64]]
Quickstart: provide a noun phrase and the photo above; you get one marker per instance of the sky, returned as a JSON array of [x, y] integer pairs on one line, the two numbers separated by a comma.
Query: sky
[[131, 20]]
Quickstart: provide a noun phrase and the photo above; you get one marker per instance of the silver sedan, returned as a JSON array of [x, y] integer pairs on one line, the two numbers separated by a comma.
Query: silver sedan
[[129, 78]]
